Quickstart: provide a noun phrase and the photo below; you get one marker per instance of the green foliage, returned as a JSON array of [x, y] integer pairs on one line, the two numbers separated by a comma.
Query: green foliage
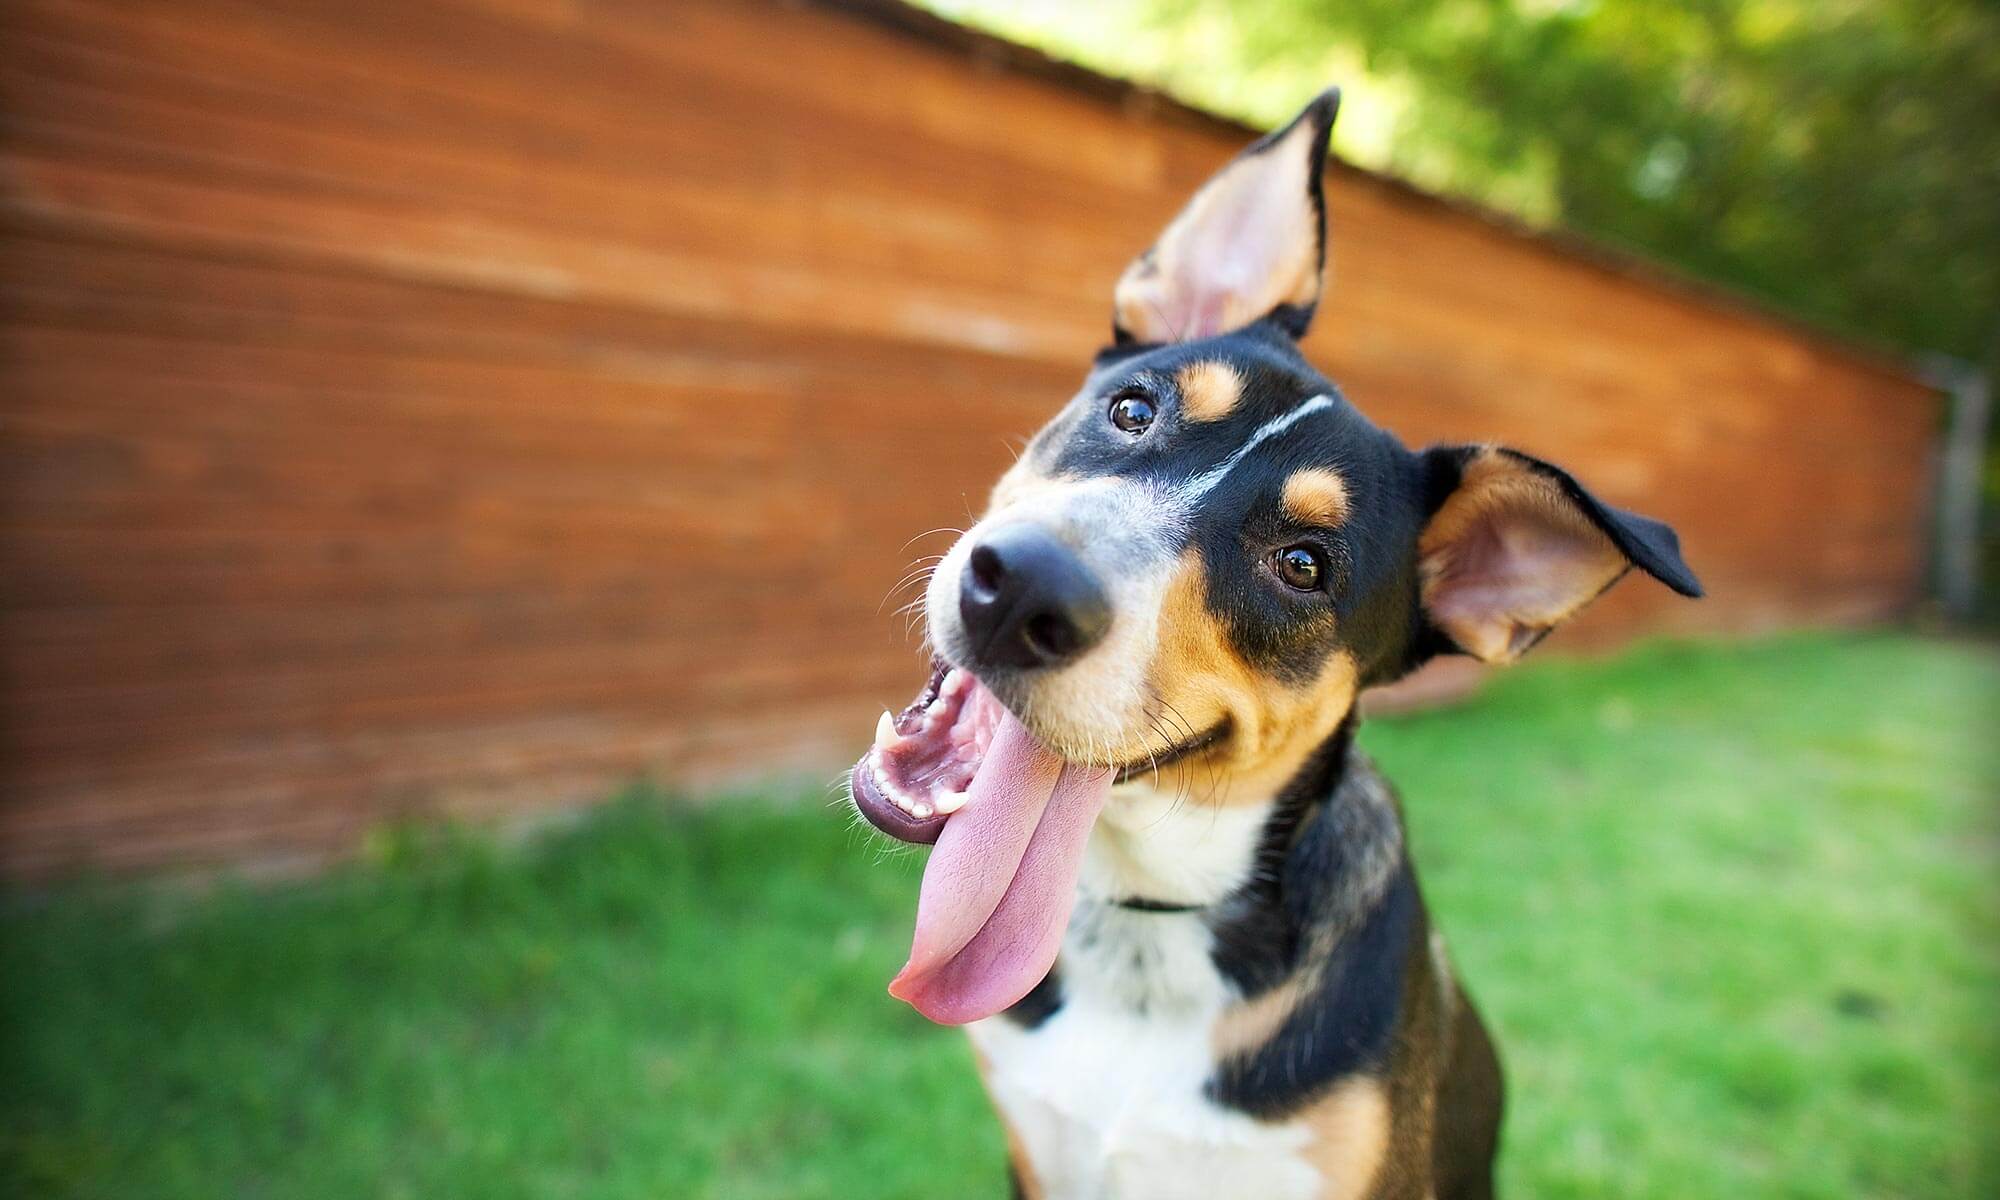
[[1838, 158], [1732, 912]]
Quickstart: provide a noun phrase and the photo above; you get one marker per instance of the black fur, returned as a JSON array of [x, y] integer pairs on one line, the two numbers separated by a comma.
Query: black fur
[[1256, 931], [1345, 1022], [1319, 875], [1041, 1003]]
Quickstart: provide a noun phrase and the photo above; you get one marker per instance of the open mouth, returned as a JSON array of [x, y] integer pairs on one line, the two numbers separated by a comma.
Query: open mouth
[[1008, 818], [926, 757]]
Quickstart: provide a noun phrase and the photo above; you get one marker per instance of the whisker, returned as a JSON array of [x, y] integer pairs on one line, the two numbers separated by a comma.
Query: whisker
[[918, 572], [931, 533], [1185, 791]]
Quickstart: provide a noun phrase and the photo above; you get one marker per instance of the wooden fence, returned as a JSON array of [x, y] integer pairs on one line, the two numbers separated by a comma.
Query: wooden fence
[[460, 407]]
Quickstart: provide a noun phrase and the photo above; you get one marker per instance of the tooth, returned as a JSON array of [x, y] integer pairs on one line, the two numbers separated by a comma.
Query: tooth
[[921, 811], [935, 708], [954, 682], [885, 730], [951, 802]]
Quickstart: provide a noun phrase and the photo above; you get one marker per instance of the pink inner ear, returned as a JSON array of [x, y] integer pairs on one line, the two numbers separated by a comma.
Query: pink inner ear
[[1508, 558], [1230, 267], [1247, 243]]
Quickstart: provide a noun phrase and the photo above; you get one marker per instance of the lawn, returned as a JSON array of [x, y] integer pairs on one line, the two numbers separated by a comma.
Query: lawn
[[1734, 914]]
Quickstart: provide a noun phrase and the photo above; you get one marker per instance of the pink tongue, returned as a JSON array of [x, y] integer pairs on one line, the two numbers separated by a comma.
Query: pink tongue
[[1001, 881]]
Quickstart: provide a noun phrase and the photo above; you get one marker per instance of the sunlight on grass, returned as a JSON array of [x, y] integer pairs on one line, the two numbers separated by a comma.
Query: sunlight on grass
[[1731, 911]]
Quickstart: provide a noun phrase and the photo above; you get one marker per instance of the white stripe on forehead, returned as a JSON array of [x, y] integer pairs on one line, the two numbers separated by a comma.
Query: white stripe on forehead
[[1199, 486]]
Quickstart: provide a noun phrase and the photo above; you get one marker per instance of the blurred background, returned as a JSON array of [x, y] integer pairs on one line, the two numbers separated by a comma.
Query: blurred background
[[460, 456]]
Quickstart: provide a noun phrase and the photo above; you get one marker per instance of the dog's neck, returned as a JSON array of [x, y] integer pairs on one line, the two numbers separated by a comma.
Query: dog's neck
[[1161, 849], [1195, 846], [1185, 906]]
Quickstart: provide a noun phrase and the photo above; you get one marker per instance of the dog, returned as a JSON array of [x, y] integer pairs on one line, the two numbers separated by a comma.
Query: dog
[[1169, 899]]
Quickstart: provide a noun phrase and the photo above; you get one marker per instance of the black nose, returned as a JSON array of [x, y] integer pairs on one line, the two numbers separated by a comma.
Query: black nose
[[1027, 601]]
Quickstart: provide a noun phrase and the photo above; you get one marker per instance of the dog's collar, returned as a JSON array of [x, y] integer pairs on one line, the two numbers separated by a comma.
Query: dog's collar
[[1146, 904]]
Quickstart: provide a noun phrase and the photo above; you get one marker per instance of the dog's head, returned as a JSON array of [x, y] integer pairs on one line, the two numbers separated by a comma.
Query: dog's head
[[1194, 569]]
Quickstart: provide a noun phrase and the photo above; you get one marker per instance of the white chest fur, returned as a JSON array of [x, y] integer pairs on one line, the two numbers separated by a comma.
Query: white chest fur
[[1105, 1096]]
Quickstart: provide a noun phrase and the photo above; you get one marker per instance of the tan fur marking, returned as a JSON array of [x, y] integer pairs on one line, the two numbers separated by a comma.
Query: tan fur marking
[[1350, 1137], [1245, 1027], [1499, 497], [1209, 390], [1316, 496], [1199, 680]]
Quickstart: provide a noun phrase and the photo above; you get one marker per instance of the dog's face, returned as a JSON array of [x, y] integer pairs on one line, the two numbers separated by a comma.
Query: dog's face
[[1193, 569], [1209, 551], [1195, 565]]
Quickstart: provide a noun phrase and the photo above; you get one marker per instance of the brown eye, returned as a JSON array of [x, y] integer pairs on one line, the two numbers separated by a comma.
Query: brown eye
[[1133, 411], [1299, 568]]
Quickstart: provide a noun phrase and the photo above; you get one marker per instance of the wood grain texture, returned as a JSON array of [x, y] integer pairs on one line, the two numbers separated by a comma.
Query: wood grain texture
[[463, 407]]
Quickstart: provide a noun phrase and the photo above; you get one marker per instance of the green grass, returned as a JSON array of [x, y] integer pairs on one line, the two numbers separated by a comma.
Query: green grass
[[1733, 913]]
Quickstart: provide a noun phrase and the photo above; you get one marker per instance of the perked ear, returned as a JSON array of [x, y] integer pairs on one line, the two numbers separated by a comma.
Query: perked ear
[[1515, 546], [1250, 245]]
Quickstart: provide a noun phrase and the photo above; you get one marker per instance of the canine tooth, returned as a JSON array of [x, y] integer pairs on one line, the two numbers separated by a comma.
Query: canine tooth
[[954, 682], [885, 730], [951, 802]]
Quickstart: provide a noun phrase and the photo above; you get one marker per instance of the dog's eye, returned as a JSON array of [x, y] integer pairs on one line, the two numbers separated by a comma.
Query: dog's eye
[[1299, 567], [1133, 411]]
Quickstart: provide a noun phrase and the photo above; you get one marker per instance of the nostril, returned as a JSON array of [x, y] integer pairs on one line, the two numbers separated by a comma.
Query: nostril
[[987, 572], [1052, 635]]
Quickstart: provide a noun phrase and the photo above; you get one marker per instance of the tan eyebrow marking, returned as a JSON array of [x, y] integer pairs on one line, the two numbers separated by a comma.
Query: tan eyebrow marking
[[1209, 390], [1316, 496]]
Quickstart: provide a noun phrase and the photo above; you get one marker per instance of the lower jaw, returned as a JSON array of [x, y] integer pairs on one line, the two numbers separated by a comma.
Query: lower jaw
[[884, 814]]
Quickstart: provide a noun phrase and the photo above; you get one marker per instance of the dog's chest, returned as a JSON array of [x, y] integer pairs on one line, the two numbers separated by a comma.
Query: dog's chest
[[1106, 1096]]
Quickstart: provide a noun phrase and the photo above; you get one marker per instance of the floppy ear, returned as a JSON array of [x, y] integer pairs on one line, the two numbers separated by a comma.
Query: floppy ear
[[1515, 546], [1251, 244]]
